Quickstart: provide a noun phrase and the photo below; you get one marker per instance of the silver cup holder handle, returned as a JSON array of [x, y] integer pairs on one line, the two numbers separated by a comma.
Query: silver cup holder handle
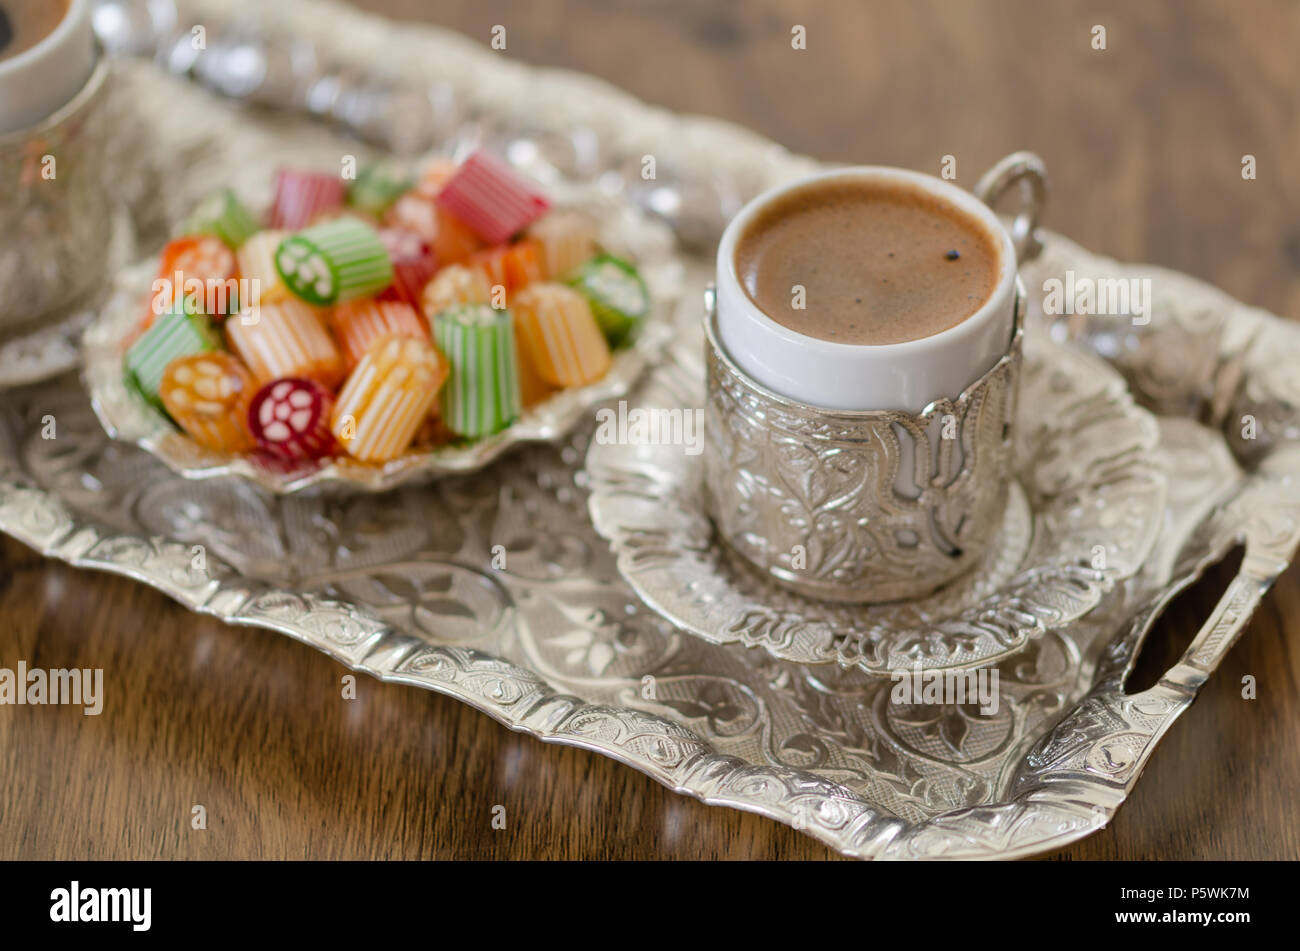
[[1026, 172]]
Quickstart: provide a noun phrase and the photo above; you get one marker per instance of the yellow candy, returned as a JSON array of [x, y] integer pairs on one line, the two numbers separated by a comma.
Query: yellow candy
[[385, 401], [256, 259], [558, 336], [568, 240]]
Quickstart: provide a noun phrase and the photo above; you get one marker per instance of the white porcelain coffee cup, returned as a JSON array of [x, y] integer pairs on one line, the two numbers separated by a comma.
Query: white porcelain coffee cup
[[899, 376], [37, 82]]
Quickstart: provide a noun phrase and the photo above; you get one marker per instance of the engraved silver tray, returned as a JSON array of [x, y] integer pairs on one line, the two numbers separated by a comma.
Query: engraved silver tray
[[555, 644]]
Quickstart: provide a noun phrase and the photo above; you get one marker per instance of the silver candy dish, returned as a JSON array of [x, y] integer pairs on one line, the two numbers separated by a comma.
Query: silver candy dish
[[624, 230], [553, 642]]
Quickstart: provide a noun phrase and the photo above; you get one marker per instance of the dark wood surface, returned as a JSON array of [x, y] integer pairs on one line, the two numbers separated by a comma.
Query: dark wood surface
[[1144, 141]]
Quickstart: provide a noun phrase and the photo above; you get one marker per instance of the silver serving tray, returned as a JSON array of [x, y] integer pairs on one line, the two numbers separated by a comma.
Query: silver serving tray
[[555, 644]]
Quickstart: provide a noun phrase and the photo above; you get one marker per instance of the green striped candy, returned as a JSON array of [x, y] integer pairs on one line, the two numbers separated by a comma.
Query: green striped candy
[[481, 395], [172, 335], [617, 295], [378, 186], [332, 262], [223, 215]]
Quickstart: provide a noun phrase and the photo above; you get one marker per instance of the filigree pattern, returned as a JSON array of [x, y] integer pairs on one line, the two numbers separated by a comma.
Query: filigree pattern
[[878, 507]]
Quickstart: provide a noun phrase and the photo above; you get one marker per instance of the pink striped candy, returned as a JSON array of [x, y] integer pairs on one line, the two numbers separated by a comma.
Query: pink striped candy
[[301, 197], [414, 265], [290, 419], [490, 197]]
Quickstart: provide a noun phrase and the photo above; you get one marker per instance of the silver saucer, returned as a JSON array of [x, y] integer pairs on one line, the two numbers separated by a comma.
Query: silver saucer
[[624, 230], [1083, 515]]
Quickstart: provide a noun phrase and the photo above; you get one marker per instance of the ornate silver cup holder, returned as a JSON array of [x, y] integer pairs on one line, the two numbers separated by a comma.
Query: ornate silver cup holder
[[864, 506], [408, 586]]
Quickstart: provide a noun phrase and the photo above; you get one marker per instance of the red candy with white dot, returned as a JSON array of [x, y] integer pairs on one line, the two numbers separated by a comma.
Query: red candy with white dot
[[290, 419]]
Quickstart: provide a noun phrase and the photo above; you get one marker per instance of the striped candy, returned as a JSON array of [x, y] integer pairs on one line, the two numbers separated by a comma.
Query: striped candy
[[482, 394], [201, 258], [287, 339], [414, 265], [207, 394], [377, 187], [454, 285], [450, 240], [617, 295], [568, 240], [256, 259], [301, 197], [335, 261], [559, 336], [387, 397], [290, 419], [224, 215], [490, 197], [357, 324], [511, 266], [172, 335]]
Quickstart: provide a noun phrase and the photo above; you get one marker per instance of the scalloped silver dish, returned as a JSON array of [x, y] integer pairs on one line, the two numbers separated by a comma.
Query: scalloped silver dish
[[555, 644], [1085, 511], [624, 230]]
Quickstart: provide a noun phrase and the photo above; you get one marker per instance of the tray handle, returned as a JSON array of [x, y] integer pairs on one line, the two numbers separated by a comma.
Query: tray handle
[[1264, 519]]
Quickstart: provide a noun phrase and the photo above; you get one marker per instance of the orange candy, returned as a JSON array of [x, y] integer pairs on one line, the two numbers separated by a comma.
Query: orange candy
[[358, 323], [208, 395], [512, 266], [532, 388], [450, 240], [558, 335], [568, 240], [386, 399], [198, 258], [287, 339]]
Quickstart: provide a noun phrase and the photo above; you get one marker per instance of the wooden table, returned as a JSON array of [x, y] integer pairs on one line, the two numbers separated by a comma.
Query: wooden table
[[1144, 140]]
